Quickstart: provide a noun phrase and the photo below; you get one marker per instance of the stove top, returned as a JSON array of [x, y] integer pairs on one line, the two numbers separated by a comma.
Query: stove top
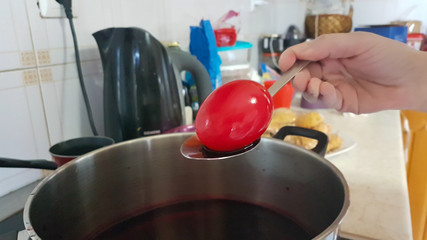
[[10, 227]]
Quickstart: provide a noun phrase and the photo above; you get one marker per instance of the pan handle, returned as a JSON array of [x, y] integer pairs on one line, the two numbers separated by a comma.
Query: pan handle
[[322, 139], [16, 163]]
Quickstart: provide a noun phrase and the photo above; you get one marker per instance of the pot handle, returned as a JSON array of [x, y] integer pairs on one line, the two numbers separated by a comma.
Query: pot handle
[[322, 139], [16, 163]]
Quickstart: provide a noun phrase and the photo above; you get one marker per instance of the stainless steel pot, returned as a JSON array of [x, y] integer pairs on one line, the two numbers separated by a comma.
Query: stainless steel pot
[[114, 183]]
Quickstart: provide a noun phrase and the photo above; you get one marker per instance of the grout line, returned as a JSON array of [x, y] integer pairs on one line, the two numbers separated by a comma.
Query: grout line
[[13, 19], [42, 67], [39, 80], [18, 69], [26, 90], [47, 65], [65, 63], [58, 48]]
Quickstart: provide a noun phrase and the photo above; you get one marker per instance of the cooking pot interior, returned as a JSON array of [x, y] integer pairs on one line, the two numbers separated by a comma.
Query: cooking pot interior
[[124, 180]]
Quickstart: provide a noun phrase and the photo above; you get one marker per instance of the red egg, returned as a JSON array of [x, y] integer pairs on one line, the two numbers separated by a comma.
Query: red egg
[[234, 115]]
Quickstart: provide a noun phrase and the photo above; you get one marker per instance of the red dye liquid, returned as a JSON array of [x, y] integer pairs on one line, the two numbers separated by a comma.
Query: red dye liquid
[[208, 220]]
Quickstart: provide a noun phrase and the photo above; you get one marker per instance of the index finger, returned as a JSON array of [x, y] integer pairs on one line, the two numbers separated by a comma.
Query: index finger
[[336, 45]]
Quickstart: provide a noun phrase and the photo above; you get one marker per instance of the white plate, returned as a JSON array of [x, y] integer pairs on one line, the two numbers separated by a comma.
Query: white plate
[[330, 116], [347, 145]]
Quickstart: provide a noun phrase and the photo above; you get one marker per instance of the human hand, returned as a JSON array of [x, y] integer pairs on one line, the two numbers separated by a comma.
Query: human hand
[[360, 72]]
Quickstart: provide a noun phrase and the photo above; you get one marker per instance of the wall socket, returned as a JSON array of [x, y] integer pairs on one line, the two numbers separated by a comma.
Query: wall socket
[[52, 9]]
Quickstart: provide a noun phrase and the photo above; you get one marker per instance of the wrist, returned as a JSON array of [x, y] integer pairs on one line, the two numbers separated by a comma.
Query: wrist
[[412, 89], [420, 87]]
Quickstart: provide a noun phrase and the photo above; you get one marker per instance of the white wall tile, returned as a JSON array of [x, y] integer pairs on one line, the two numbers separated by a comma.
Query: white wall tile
[[9, 39], [9, 60], [145, 14], [6, 173], [38, 121], [23, 128], [20, 179], [23, 131], [63, 100], [14, 27], [94, 82], [94, 16], [11, 79], [15, 37], [290, 12], [16, 128], [47, 32], [53, 35]]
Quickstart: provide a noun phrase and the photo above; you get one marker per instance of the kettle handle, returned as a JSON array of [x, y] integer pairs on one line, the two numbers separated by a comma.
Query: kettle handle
[[186, 62]]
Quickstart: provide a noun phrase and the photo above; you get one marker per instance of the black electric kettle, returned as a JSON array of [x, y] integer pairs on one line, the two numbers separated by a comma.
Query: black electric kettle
[[143, 93]]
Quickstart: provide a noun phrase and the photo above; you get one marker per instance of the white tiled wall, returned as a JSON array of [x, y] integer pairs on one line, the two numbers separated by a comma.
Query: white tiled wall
[[40, 97], [23, 132]]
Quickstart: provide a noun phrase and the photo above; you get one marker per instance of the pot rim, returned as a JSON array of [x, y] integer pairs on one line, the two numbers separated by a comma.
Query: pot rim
[[333, 227]]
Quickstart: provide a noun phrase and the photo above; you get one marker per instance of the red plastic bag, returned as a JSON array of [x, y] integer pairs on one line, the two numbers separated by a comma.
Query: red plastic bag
[[226, 32]]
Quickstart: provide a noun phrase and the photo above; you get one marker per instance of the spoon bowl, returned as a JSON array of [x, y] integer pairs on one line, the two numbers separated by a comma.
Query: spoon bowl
[[232, 119], [192, 148]]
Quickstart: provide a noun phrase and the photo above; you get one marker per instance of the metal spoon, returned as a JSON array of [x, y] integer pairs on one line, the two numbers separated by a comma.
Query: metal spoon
[[192, 148]]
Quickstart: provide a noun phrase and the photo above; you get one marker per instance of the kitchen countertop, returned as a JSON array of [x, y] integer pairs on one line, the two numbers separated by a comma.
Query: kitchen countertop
[[376, 174]]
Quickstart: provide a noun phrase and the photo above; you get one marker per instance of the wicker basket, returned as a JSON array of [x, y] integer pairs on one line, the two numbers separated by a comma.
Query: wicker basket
[[316, 25]]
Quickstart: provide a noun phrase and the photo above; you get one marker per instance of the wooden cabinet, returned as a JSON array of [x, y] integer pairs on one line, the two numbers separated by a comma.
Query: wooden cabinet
[[415, 142]]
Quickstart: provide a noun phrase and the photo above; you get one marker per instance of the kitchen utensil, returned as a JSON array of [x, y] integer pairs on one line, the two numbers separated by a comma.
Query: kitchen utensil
[[192, 148], [283, 97], [142, 85], [122, 182], [288, 76], [61, 153], [234, 116]]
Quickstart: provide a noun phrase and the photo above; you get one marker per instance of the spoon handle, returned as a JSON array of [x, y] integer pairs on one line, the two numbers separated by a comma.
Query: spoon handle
[[287, 76]]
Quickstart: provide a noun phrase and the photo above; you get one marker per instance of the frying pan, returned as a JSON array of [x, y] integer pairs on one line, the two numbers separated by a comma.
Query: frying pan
[[61, 153]]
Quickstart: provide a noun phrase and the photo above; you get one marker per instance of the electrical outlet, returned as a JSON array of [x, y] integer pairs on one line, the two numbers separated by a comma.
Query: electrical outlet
[[52, 9]]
